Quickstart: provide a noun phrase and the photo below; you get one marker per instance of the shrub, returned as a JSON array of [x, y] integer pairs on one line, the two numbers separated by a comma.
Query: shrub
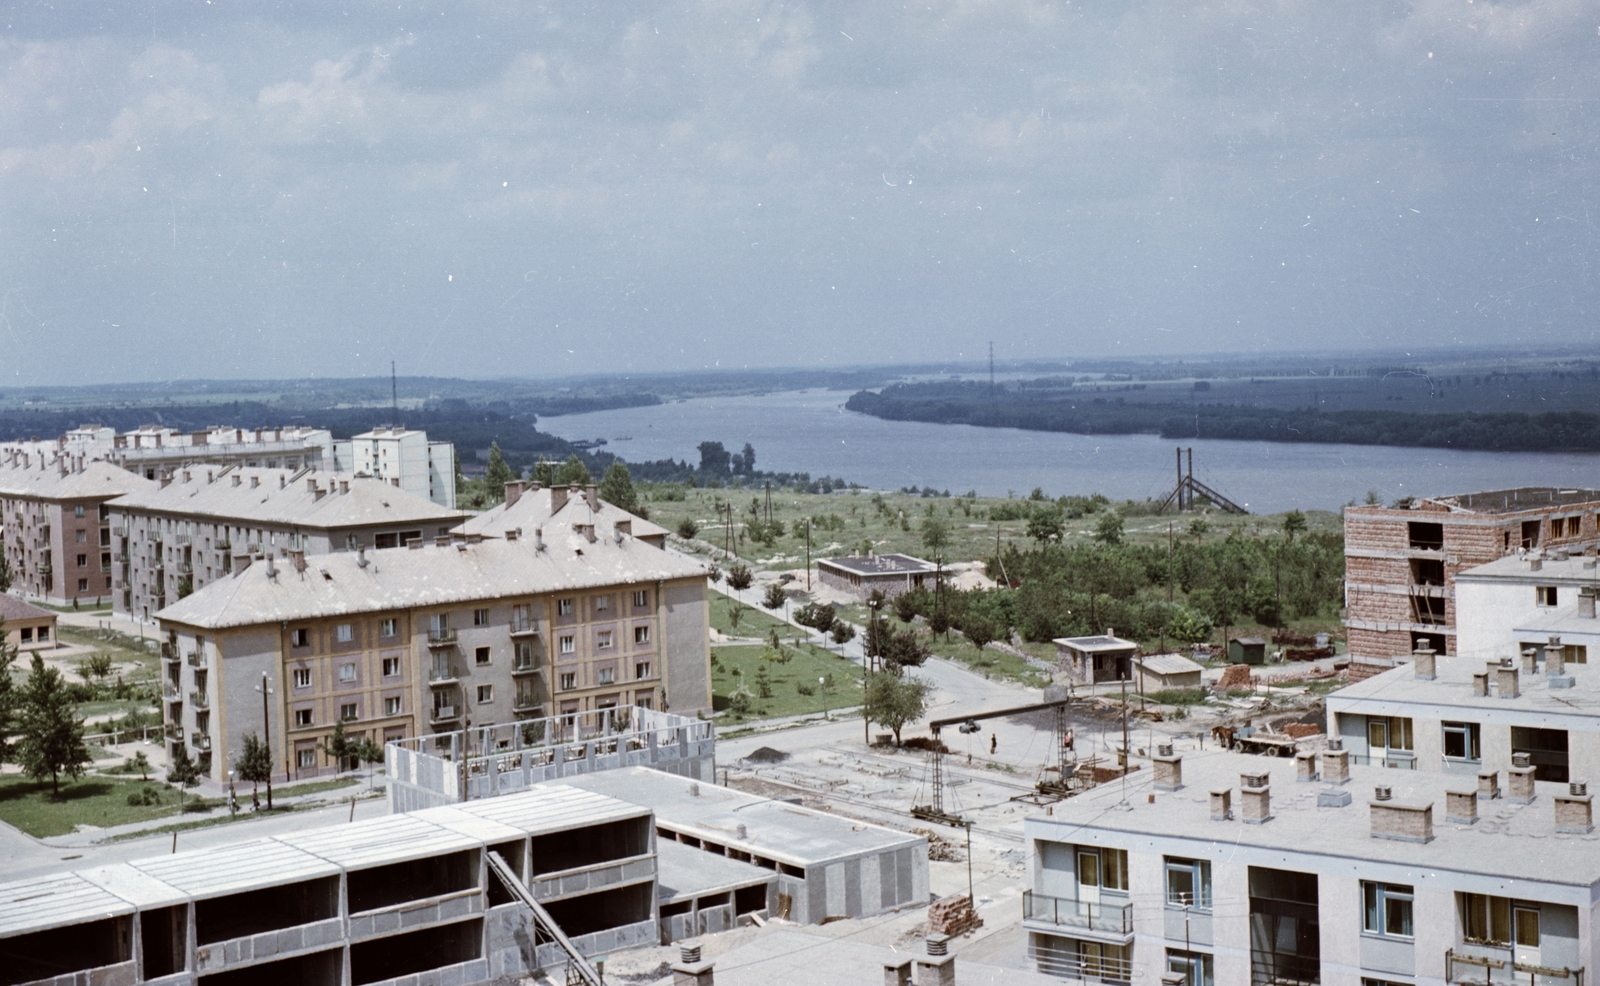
[[687, 528]]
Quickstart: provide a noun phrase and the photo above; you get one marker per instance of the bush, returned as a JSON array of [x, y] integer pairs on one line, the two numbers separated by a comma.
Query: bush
[[687, 528], [1178, 696], [144, 796]]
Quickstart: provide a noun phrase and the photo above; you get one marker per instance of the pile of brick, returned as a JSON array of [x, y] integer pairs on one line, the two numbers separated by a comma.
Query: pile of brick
[[1300, 730], [1234, 676], [953, 915]]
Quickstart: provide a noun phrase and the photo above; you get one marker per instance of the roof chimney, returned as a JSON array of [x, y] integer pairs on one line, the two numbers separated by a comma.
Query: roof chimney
[[1555, 665], [1505, 680], [237, 480], [689, 970], [1255, 798], [1575, 810], [558, 499], [1530, 659], [1168, 769], [938, 967], [538, 539], [297, 556], [1423, 661], [592, 494], [1222, 804], [1519, 779], [511, 534], [513, 492], [272, 568], [1480, 683], [361, 557], [1305, 767], [344, 486], [1399, 820], [1586, 602], [1488, 784], [897, 973], [1461, 807], [1535, 563], [255, 481]]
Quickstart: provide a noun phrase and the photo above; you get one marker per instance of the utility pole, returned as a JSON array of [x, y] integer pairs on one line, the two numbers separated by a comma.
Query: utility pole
[[808, 554], [266, 728], [394, 391]]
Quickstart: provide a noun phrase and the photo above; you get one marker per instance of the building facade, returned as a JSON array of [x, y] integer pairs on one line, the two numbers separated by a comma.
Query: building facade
[[889, 574], [404, 458], [450, 633], [199, 523], [56, 523], [1401, 563]]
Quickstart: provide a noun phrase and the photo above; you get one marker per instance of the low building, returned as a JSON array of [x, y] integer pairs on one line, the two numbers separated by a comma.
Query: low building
[[1218, 867], [891, 575], [56, 525], [826, 866], [1167, 672], [449, 633], [396, 899], [1247, 650], [1091, 660], [27, 626], [1401, 563], [196, 524], [1520, 601], [701, 894]]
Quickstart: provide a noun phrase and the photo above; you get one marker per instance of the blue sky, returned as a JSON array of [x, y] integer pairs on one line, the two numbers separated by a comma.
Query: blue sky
[[485, 189]]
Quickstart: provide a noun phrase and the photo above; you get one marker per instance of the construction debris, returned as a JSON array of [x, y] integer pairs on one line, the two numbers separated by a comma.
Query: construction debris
[[953, 915]]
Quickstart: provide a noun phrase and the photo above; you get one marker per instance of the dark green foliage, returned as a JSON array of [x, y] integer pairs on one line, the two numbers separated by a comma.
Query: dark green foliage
[[144, 796], [688, 528], [182, 770], [498, 474], [255, 762], [774, 597], [52, 733], [904, 650], [842, 632], [616, 487], [739, 577], [894, 700]]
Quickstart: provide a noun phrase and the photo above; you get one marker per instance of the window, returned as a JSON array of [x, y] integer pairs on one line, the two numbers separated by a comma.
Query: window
[[485, 694], [302, 717], [641, 670], [606, 676], [347, 711], [439, 623], [77, 511], [83, 585], [306, 759], [1461, 741], [564, 607], [344, 633], [347, 673], [602, 604], [602, 640], [302, 677], [389, 627], [1104, 868], [641, 598], [1485, 919], [391, 667], [300, 637], [27, 634], [83, 537], [83, 561], [524, 660], [568, 645], [1194, 967], [1188, 882], [481, 656], [1545, 595], [569, 680], [1386, 909], [641, 635], [480, 617], [391, 706], [1389, 733], [44, 634]]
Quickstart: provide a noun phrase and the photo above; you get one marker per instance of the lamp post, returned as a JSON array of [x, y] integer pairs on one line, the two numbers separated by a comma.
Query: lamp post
[[265, 688], [233, 801]]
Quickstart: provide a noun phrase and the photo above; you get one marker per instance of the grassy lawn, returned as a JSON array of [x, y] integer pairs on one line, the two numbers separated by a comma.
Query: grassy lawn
[[802, 670], [95, 800], [753, 622]]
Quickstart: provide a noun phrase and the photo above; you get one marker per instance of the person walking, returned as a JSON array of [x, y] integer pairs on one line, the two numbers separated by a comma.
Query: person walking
[[994, 744]]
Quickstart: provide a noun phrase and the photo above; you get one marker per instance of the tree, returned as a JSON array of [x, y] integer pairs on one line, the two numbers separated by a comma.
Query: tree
[[616, 487], [9, 696], [498, 474], [255, 765], [339, 746], [5, 571], [775, 597], [1294, 522], [939, 622], [1046, 524], [905, 607], [544, 472], [736, 611], [714, 573], [935, 534], [842, 632], [52, 734], [979, 633], [688, 528], [904, 650], [763, 682], [745, 461], [183, 771], [573, 472], [739, 577], [141, 763], [98, 666], [1189, 626], [714, 459], [893, 700], [1108, 529]]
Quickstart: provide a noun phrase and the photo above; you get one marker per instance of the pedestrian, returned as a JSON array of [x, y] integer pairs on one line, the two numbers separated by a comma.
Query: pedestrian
[[994, 744]]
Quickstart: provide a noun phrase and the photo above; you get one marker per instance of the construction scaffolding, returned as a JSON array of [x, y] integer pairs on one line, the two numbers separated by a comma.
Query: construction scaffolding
[[1189, 490]]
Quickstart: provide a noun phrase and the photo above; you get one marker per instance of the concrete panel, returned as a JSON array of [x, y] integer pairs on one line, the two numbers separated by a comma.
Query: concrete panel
[[1192, 926], [836, 891], [686, 647], [1391, 955]]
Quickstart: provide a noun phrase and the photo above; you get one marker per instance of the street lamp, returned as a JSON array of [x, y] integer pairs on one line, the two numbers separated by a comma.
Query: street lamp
[[265, 688], [233, 801], [823, 681]]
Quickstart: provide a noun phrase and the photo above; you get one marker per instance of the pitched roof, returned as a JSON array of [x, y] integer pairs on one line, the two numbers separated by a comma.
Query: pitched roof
[[12, 608], [278, 497], [427, 575], [532, 511], [95, 479]]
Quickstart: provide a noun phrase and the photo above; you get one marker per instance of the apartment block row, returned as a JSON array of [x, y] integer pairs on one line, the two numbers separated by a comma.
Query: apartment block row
[[462, 630], [1401, 563]]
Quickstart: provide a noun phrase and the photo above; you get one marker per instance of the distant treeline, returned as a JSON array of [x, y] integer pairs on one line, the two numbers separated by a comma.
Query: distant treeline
[[972, 404]]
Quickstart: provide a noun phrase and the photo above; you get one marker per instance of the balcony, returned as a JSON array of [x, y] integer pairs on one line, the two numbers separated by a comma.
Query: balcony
[[1065, 963], [441, 638], [200, 741], [224, 545], [528, 667], [171, 692], [526, 703], [45, 568], [1483, 965], [1063, 912], [443, 714], [182, 539], [524, 626], [441, 675], [196, 659], [173, 730], [199, 700]]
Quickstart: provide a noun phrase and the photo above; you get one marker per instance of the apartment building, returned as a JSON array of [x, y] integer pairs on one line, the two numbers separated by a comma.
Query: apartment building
[[198, 523], [1518, 602], [449, 633], [56, 525], [1401, 563], [405, 458], [1220, 868]]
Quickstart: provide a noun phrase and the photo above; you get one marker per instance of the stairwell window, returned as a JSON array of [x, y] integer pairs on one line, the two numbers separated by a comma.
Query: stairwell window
[[1386, 909], [1545, 595]]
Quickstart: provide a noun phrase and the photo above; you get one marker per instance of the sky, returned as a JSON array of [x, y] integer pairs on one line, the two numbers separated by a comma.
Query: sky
[[211, 188]]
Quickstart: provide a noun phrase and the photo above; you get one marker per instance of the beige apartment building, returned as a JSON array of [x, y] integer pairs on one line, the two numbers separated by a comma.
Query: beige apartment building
[[1401, 563], [449, 633], [57, 527], [199, 523]]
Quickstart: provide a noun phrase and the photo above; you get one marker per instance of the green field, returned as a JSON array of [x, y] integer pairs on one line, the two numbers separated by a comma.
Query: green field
[[805, 665], [94, 800]]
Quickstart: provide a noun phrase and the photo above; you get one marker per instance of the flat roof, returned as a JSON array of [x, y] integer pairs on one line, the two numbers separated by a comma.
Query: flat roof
[[775, 829], [1510, 843], [554, 807], [684, 872], [389, 839], [1518, 498], [1551, 571], [1451, 689], [1100, 642], [879, 564], [53, 901], [228, 869]]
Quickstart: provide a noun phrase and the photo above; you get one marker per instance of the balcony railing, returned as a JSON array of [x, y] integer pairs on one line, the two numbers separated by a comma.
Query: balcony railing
[[197, 659], [441, 638], [201, 741], [1482, 965], [224, 544], [1074, 965], [443, 713], [525, 702], [199, 699], [524, 625], [443, 675], [527, 667], [1114, 919]]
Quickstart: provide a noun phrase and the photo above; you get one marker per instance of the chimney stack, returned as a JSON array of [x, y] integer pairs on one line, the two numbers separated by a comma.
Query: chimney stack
[[1530, 660], [1555, 665], [1575, 810], [538, 539], [689, 970], [1305, 767], [1168, 769], [298, 557], [1255, 798], [1336, 762], [1222, 804], [513, 492], [361, 557], [1535, 563], [592, 494], [1519, 779], [897, 973], [938, 967], [1461, 807], [1586, 600], [1505, 680], [1423, 661], [1399, 820], [558, 498], [1480, 683], [1488, 785]]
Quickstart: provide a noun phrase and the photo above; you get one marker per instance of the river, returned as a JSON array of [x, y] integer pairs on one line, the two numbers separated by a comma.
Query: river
[[810, 431]]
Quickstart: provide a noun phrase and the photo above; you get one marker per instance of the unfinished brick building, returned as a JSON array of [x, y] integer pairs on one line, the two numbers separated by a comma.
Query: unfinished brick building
[[1401, 562]]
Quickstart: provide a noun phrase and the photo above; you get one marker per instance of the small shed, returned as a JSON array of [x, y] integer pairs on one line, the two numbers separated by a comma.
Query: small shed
[[888, 574], [1106, 657], [1247, 650], [1167, 672], [28, 627]]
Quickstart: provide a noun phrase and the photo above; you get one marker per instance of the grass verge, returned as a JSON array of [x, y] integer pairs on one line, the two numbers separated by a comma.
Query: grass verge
[[788, 681]]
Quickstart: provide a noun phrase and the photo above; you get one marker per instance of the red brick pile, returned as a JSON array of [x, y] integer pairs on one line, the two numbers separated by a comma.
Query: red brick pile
[[953, 915]]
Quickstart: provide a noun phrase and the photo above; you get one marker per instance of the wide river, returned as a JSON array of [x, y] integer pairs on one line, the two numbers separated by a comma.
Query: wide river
[[810, 431]]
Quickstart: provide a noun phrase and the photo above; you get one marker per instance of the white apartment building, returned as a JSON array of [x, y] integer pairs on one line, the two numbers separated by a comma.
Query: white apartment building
[[1223, 868], [1508, 605], [404, 458]]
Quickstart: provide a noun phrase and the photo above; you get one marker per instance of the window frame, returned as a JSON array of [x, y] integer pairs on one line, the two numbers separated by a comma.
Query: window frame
[[389, 627], [349, 711], [1377, 914], [604, 640], [1472, 742], [1546, 596], [304, 718], [568, 681], [641, 635], [564, 606], [480, 617], [344, 633], [347, 673], [393, 705], [301, 677], [390, 662], [486, 694], [482, 657], [568, 644], [1198, 872]]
